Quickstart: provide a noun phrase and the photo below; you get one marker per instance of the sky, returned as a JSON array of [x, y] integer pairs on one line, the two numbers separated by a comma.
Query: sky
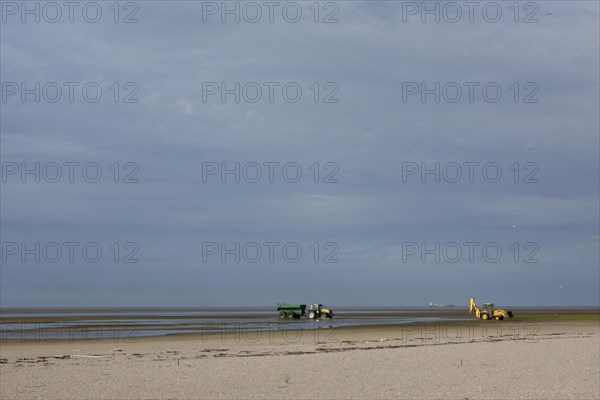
[[352, 153]]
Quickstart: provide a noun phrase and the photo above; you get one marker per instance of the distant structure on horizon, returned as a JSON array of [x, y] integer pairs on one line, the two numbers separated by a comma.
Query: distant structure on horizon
[[440, 305]]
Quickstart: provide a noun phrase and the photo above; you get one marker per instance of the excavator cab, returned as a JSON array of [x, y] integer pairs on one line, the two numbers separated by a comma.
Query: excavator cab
[[489, 308]]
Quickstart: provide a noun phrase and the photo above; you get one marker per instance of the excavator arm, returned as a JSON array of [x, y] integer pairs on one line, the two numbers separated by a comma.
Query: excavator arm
[[472, 306]]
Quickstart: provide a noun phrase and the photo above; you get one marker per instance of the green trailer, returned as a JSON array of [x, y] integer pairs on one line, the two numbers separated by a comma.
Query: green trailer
[[293, 311]]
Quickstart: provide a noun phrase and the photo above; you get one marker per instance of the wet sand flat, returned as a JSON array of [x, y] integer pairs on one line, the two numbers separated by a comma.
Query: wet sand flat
[[518, 359]]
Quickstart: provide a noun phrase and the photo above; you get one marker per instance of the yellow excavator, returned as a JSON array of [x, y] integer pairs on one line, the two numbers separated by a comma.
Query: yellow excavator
[[488, 311]]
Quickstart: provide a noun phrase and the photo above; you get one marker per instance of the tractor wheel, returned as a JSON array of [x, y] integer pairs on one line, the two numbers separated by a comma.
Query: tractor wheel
[[484, 317], [282, 314], [312, 315]]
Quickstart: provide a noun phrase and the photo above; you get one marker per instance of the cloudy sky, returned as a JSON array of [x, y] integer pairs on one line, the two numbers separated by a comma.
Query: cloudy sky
[[438, 160]]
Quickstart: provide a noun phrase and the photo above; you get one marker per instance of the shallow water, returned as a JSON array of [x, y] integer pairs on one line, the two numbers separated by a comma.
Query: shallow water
[[57, 324]]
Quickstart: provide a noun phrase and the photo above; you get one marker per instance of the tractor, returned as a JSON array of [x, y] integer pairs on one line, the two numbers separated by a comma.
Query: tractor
[[488, 311], [319, 311]]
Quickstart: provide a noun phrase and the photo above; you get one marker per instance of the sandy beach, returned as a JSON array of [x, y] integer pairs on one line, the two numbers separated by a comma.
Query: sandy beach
[[527, 359]]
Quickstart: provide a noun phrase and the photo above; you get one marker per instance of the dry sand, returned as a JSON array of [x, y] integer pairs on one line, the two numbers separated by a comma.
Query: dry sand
[[463, 360]]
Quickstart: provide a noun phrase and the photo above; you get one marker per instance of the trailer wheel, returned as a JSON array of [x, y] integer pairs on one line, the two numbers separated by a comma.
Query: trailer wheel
[[291, 315], [282, 314], [497, 318]]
